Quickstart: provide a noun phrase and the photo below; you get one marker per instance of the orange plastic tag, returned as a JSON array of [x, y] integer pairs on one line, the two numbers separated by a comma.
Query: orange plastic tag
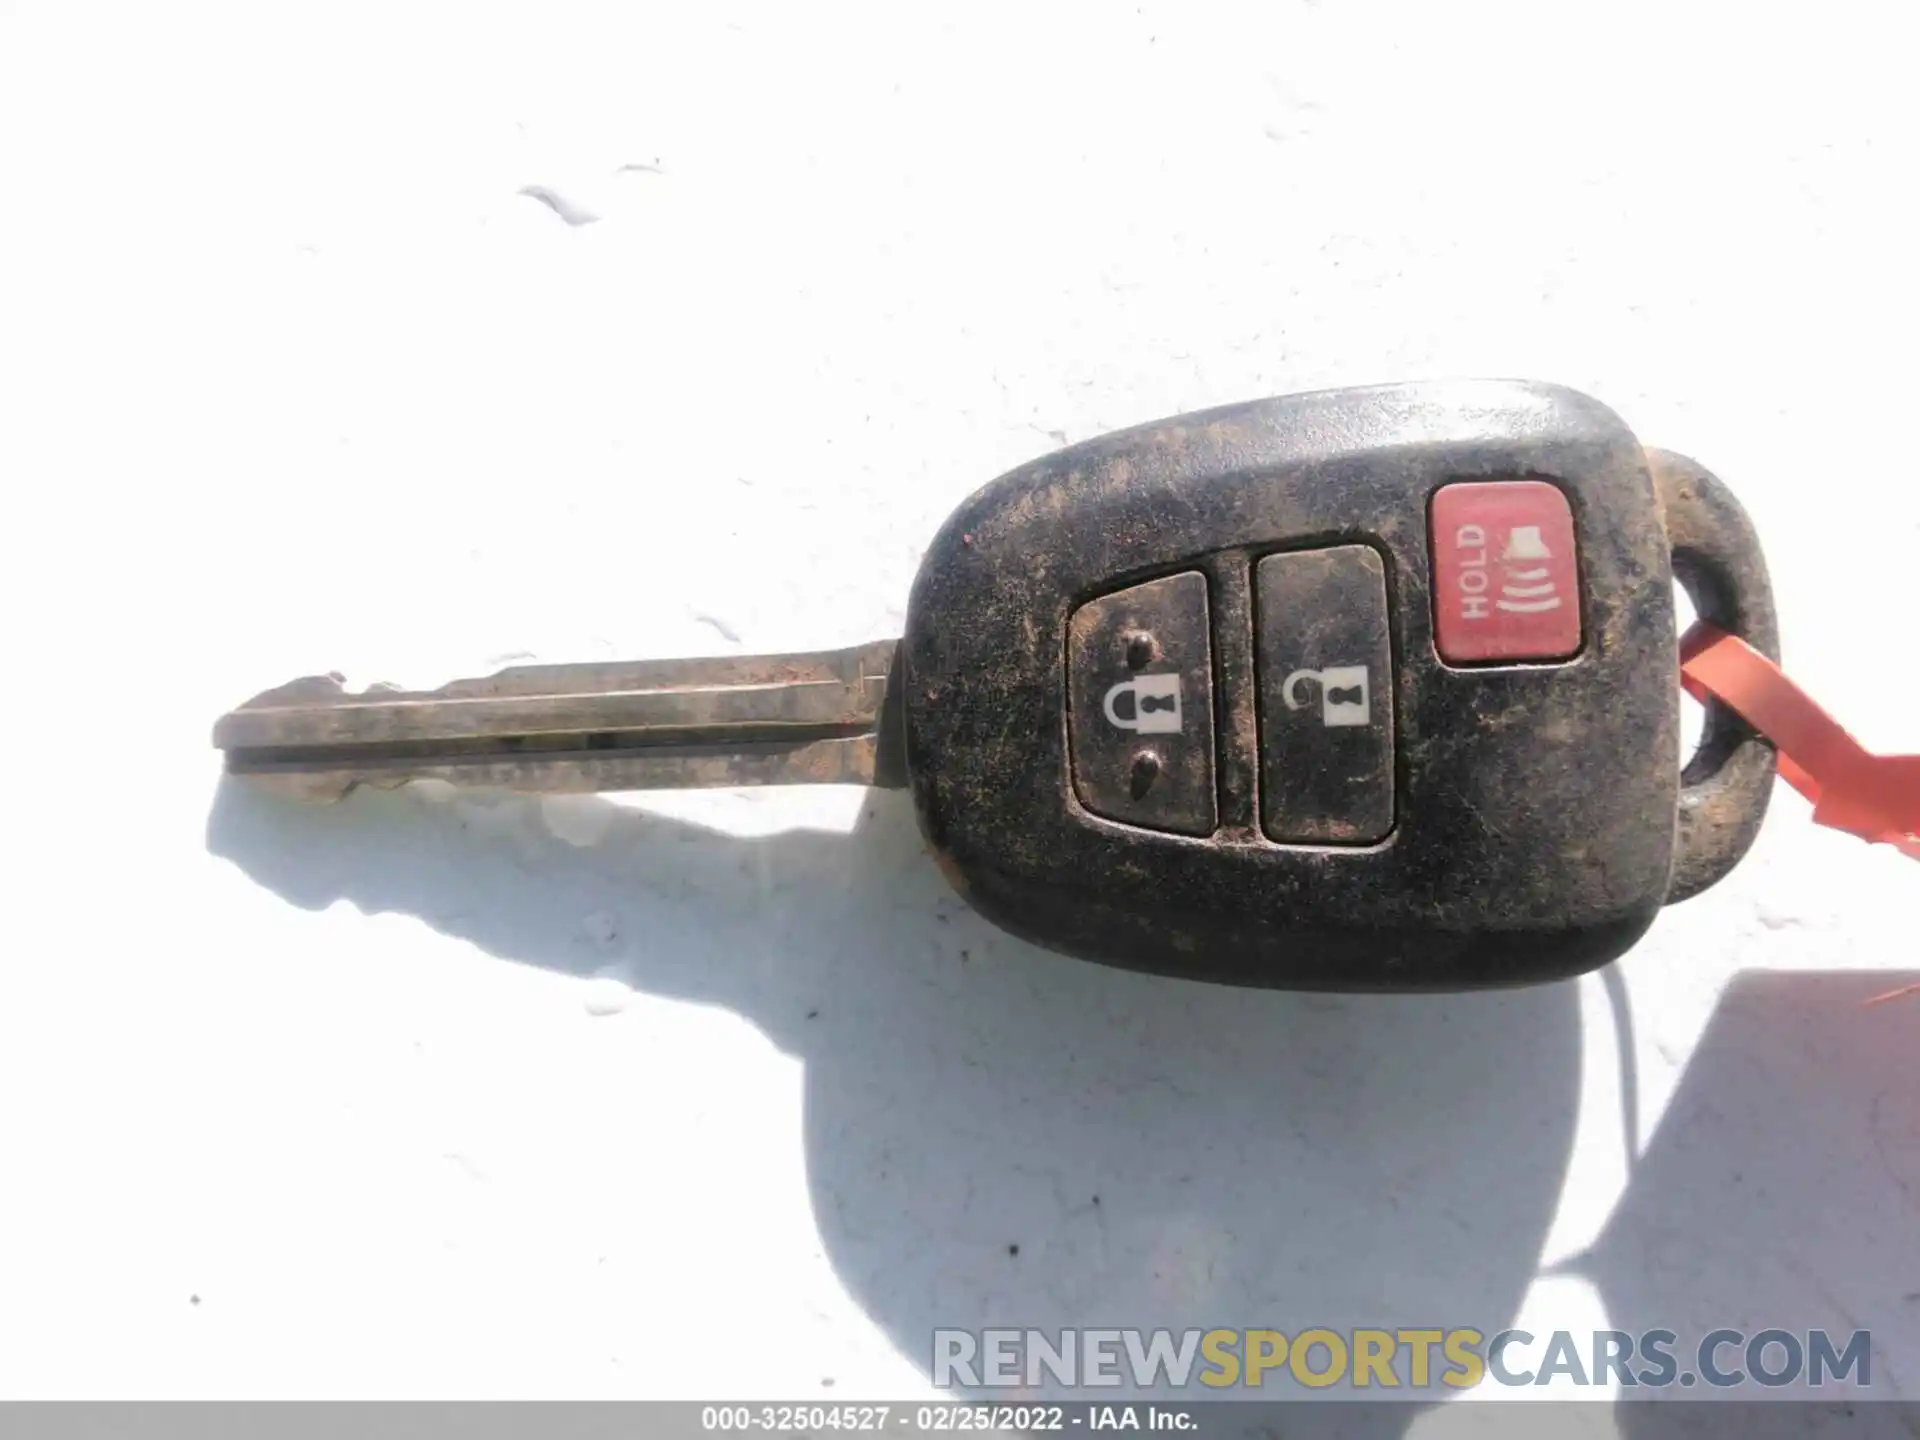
[[1876, 797]]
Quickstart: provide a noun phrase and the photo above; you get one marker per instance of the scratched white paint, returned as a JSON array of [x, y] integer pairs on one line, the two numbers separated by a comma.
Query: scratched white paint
[[411, 340]]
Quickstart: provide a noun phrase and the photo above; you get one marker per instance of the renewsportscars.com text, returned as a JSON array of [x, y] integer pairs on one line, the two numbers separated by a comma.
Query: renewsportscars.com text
[[1378, 1359]]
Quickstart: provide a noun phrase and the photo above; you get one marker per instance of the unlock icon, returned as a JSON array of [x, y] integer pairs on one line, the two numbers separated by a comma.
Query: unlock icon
[[1154, 701], [1343, 694]]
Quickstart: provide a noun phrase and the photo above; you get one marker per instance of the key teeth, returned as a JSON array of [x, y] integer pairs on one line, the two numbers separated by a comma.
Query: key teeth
[[315, 689], [324, 788], [304, 691], [307, 690]]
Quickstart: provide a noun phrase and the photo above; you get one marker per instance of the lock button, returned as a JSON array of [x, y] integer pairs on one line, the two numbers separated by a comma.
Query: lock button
[[1325, 658], [1140, 705]]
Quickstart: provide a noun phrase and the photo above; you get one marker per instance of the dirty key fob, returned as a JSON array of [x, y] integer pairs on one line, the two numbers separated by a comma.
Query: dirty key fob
[[1359, 690]]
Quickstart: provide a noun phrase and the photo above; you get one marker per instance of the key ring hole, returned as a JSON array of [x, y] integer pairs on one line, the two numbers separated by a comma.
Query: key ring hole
[[1700, 588], [1693, 715]]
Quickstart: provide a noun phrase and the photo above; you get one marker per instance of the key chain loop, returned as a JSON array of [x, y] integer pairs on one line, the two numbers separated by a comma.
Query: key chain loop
[[1726, 786]]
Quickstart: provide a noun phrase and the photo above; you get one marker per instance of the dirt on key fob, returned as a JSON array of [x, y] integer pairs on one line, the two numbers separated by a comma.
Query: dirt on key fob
[[1365, 689]]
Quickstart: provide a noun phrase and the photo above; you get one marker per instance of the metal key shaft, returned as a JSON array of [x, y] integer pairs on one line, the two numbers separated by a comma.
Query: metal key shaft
[[817, 718]]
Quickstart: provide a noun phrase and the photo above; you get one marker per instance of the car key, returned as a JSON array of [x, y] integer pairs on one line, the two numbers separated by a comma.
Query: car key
[[641, 725], [1366, 689]]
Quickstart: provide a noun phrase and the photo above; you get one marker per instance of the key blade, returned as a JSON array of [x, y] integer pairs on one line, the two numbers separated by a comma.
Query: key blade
[[853, 760], [825, 689], [655, 724]]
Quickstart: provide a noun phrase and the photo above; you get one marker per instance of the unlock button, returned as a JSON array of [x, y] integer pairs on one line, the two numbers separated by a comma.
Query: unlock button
[[1325, 657], [1140, 705]]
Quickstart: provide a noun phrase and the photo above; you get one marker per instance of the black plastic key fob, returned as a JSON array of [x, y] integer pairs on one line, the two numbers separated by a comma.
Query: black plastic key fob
[[1361, 690]]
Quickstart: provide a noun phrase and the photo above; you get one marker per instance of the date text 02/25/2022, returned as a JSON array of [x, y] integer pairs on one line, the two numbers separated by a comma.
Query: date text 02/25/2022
[[945, 1418]]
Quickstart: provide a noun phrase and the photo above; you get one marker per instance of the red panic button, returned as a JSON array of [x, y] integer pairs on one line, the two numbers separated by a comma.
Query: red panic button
[[1506, 575]]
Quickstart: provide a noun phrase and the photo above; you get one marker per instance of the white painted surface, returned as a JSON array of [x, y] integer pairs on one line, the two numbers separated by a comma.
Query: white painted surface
[[726, 1094]]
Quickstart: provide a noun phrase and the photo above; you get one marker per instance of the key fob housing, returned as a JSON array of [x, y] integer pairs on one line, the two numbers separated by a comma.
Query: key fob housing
[[1361, 690]]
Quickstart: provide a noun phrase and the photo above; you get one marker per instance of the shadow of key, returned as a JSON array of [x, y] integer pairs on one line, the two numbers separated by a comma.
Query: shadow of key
[[1781, 1188], [999, 1136]]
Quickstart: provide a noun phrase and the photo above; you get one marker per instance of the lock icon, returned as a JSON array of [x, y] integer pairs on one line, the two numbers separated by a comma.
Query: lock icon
[[1154, 701], [1343, 694]]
